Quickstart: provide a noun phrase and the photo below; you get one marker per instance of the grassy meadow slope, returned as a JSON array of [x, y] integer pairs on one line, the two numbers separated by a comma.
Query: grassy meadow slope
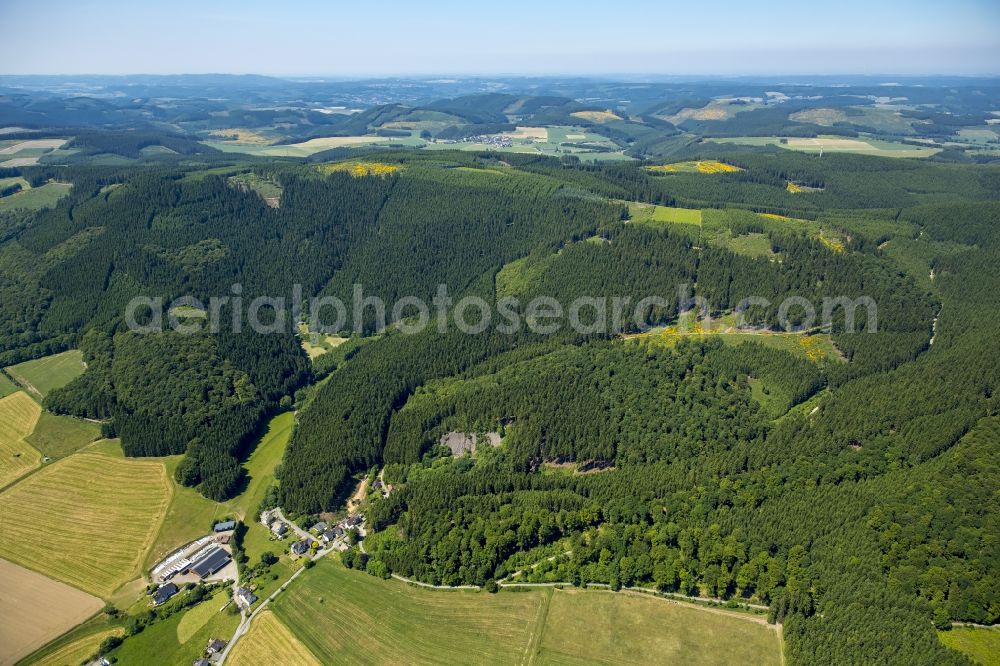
[[44, 374], [351, 617]]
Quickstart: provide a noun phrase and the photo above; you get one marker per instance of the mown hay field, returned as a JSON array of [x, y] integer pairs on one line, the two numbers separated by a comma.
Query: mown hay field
[[87, 520], [270, 642], [77, 651], [18, 416]]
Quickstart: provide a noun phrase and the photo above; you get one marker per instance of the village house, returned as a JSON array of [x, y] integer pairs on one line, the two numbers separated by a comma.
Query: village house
[[278, 528], [301, 547], [215, 646], [163, 594], [244, 597]]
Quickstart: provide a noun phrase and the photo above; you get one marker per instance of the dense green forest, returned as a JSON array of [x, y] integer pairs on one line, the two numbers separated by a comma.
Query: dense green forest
[[852, 492]]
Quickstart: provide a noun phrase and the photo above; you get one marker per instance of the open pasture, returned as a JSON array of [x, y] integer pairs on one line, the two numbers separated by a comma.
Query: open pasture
[[35, 610], [160, 644], [58, 436], [363, 619], [651, 214], [34, 198], [42, 375], [981, 644], [87, 520], [584, 626]]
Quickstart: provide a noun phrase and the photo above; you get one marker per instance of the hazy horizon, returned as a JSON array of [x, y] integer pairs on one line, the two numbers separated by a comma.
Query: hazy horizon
[[633, 39]]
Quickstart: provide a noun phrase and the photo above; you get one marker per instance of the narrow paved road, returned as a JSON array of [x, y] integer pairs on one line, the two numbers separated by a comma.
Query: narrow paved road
[[435, 587], [298, 530], [245, 622]]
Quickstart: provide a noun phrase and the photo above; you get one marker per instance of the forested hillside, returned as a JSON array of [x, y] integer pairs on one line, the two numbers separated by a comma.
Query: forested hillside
[[843, 478]]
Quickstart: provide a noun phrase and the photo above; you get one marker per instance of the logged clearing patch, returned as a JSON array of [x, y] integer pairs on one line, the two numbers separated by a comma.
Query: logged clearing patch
[[631, 628], [824, 117], [270, 642], [86, 520], [699, 166], [596, 116], [35, 610], [50, 372], [240, 135], [18, 417], [359, 169]]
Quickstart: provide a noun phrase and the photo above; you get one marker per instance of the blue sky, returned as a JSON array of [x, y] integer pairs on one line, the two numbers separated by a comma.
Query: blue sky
[[541, 37]]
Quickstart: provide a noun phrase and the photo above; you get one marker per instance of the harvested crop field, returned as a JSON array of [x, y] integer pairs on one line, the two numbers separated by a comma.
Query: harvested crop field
[[18, 416], [270, 642], [35, 610], [87, 520], [77, 651]]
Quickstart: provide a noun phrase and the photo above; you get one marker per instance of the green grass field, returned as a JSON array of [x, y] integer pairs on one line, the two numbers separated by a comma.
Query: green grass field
[[50, 372], [46, 196], [160, 644], [196, 618], [980, 644], [654, 215], [592, 626], [7, 386], [59, 436], [362, 619], [18, 416], [751, 245], [87, 520], [190, 515]]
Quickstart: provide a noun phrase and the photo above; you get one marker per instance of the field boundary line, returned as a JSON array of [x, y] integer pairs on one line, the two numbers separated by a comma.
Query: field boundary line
[[541, 621]]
